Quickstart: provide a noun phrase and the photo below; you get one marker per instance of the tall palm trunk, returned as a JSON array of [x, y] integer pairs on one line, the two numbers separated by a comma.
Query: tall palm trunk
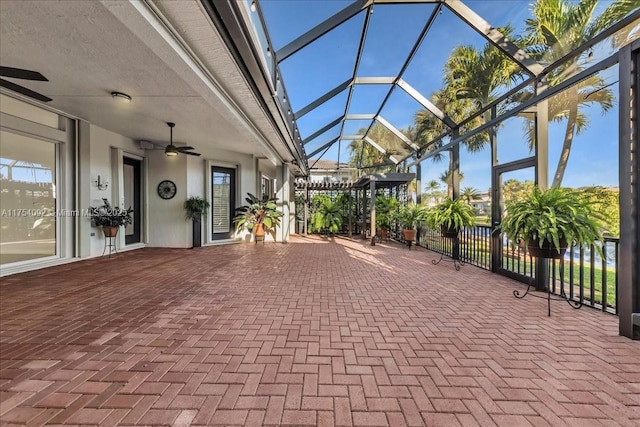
[[568, 138]]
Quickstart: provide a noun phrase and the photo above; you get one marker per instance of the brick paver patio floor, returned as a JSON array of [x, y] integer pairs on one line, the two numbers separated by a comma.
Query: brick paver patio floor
[[313, 332]]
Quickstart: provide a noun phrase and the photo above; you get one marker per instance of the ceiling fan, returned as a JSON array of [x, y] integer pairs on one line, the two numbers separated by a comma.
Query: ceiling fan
[[19, 73], [172, 150]]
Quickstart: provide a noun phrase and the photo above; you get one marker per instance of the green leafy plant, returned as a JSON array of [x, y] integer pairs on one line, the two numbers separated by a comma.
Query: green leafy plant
[[110, 216], [386, 208], [410, 215], [195, 207], [346, 203], [259, 211], [451, 214], [327, 217], [557, 216]]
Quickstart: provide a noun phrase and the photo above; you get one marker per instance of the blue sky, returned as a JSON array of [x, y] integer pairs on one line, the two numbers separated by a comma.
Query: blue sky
[[392, 31]]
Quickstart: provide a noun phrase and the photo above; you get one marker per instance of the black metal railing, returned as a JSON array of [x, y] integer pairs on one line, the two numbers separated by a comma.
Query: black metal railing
[[582, 275], [474, 244]]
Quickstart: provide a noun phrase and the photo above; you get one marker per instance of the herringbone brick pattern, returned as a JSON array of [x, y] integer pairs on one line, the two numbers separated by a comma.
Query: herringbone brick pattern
[[313, 332]]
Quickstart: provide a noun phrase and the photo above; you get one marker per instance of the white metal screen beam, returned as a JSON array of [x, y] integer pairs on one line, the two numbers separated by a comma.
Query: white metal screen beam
[[494, 36], [397, 133], [379, 148], [374, 80], [412, 92], [360, 117]]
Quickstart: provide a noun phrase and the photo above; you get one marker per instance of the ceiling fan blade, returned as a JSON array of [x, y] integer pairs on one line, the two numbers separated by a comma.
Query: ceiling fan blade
[[191, 153], [184, 148], [23, 90], [19, 73]]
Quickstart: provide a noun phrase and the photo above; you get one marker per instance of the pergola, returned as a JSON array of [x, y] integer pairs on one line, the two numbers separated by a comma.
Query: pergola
[[364, 188], [374, 182], [271, 68]]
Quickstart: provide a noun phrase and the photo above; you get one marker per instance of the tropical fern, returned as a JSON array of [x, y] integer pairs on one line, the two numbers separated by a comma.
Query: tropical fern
[[557, 215], [452, 214]]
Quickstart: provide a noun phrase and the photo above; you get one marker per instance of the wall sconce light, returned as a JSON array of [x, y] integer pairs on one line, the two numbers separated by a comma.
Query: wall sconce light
[[102, 185], [253, 6]]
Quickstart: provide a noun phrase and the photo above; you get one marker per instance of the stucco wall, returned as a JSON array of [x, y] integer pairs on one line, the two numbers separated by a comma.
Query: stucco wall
[[102, 144]]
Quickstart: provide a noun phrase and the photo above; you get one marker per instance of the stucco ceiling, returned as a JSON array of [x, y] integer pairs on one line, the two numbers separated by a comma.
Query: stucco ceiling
[[88, 49]]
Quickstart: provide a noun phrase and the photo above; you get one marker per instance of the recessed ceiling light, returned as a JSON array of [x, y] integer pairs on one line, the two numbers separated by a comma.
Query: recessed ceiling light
[[121, 97]]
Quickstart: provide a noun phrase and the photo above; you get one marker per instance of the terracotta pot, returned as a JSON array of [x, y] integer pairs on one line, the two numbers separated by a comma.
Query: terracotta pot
[[547, 250], [448, 232], [110, 231], [259, 230], [384, 234], [409, 234]]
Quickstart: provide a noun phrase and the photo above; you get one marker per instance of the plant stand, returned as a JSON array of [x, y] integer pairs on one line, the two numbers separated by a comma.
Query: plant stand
[[110, 243], [562, 296], [196, 232], [457, 262], [409, 236]]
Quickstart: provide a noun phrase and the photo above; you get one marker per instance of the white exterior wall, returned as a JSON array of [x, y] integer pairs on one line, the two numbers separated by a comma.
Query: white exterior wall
[[167, 226], [103, 144]]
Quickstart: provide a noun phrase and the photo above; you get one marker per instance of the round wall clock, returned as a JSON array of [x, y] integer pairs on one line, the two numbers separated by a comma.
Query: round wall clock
[[167, 189]]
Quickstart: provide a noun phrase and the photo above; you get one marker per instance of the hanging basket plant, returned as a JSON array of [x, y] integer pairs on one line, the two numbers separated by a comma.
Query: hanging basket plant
[[450, 217], [550, 221]]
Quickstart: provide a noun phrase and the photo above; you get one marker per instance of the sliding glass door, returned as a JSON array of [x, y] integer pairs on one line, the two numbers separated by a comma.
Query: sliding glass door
[[28, 228]]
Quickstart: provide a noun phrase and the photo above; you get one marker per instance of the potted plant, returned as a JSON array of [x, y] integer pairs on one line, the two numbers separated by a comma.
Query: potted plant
[[327, 217], [548, 221], [259, 216], [110, 218], [195, 208], [450, 216], [409, 217]]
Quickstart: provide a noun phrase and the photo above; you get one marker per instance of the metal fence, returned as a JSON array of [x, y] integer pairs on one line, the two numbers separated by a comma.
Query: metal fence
[[474, 244], [582, 275]]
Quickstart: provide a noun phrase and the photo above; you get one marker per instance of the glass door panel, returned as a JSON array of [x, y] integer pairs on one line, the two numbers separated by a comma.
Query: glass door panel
[[27, 198], [223, 196], [512, 257], [132, 171]]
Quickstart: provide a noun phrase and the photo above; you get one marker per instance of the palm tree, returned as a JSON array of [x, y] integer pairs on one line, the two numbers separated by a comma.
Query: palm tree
[[469, 194], [472, 77], [432, 193], [556, 28], [447, 178], [431, 186]]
